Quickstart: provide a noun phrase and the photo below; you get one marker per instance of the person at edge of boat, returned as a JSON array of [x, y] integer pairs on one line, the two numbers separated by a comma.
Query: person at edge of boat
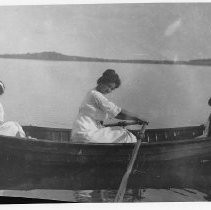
[[9, 128], [207, 125], [96, 108]]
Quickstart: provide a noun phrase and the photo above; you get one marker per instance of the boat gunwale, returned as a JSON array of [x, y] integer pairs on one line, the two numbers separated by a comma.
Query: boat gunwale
[[150, 129]]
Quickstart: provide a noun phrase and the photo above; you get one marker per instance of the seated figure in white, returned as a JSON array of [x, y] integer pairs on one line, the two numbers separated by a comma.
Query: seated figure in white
[[96, 108], [9, 128]]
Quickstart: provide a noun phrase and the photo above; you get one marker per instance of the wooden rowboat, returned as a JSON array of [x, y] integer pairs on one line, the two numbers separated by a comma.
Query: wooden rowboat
[[53, 154]]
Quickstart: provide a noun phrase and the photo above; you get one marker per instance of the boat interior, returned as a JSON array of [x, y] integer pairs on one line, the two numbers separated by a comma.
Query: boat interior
[[151, 135]]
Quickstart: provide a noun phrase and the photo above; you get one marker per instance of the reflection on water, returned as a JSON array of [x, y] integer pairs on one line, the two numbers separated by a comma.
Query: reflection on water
[[95, 196]]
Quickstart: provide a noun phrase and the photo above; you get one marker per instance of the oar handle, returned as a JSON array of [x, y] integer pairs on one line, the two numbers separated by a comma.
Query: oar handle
[[143, 127], [125, 123]]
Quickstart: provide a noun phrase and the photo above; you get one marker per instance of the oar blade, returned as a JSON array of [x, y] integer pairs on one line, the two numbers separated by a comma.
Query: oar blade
[[120, 194]]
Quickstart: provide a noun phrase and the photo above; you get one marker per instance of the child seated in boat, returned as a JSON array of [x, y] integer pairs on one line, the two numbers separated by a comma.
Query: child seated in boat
[[9, 128], [207, 125], [96, 108]]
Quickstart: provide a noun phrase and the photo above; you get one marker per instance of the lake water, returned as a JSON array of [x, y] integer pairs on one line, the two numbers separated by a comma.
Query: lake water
[[108, 196], [48, 93]]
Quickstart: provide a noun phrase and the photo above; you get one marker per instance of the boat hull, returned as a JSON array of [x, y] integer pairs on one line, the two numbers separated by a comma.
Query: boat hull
[[97, 166], [52, 161]]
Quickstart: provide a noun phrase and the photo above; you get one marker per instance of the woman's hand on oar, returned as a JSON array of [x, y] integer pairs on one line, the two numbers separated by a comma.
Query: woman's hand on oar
[[127, 123], [122, 124], [141, 122]]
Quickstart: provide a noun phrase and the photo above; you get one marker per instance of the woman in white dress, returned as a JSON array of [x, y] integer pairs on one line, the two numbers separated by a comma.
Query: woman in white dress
[[96, 108], [9, 128]]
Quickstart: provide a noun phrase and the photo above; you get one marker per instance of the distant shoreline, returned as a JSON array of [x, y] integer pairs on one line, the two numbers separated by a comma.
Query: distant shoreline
[[54, 56]]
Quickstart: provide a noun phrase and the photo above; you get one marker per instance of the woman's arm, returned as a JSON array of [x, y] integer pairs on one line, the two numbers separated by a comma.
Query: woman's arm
[[125, 115]]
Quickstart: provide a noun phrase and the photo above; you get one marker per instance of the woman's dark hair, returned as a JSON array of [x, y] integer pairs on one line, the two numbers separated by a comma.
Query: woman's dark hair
[[2, 87], [109, 76], [209, 102]]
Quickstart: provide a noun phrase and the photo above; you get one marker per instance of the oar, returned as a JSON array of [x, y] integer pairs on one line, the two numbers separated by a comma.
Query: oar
[[122, 188], [122, 124]]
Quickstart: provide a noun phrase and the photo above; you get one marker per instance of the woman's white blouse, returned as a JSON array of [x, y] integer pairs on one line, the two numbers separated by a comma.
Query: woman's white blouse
[[95, 108]]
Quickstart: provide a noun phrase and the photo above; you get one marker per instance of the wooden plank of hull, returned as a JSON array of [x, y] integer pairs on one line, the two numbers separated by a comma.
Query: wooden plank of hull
[[48, 152], [180, 149]]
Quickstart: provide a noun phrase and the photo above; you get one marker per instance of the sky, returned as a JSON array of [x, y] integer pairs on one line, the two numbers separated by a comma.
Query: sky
[[175, 31]]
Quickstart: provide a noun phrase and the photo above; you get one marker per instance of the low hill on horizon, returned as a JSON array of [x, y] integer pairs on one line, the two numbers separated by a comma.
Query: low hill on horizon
[[55, 56]]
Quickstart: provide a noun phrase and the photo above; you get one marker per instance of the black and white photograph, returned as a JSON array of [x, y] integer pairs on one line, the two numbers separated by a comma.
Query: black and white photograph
[[105, 102]]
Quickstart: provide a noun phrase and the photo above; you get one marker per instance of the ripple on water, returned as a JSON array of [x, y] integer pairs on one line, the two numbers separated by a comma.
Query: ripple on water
[[132, 195]]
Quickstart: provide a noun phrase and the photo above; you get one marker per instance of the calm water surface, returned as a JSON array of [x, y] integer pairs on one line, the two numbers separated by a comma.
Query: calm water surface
[[49, 93], [93, 196]]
